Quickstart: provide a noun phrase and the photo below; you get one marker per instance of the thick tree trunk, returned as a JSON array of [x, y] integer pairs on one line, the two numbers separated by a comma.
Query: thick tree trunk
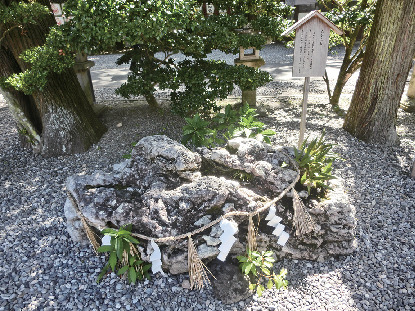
[[373, 110], [58, 120]]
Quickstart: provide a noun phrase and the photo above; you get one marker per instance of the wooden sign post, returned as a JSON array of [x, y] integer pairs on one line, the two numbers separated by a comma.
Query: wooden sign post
[[310, 53]]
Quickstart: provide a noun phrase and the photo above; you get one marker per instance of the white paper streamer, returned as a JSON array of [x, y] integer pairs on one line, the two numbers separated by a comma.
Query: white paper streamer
[[106, 240], [155, 258], [229, 229], [283, 238], [275, 221]]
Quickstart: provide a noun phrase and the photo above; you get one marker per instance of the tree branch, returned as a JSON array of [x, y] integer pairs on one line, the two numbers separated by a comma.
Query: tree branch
[[7, 31]]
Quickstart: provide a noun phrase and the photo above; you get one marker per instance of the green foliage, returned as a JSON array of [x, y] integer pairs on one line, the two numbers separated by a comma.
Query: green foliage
[[20, 14], [204, 81], [355, 18], [315, 162], [122, 258], [225, 126], [156, 30], [259, 266], [249, 127], [128, 155], [196, 130]]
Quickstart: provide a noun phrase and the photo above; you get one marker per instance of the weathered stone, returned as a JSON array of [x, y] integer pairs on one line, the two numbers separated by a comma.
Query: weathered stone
[[211, 241], [230, 285], [166, 190]]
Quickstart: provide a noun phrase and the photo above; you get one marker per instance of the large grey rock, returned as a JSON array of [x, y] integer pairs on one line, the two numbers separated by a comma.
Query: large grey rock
[[229, 285], [166, 190]]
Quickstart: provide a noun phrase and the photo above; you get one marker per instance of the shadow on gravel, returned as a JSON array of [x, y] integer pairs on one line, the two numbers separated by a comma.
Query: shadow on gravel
[[44, 270]]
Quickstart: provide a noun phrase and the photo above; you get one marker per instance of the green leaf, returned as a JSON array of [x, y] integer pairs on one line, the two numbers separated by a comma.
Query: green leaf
[[270, 284], [241, 258], [119, 247], [131, 260], [105, 248], [102, 273], [266, 271], [268, 264], [278, 283], [123, 270], [248, 268], [113, 260], [252, 286], [259, 290], [132, 275], [268, 132], [109, 231]]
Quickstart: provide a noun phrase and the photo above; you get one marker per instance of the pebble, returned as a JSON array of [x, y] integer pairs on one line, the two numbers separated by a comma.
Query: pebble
[[42, 269]]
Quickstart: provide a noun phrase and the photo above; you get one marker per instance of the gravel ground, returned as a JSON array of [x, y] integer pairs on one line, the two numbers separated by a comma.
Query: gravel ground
[[44, 270]]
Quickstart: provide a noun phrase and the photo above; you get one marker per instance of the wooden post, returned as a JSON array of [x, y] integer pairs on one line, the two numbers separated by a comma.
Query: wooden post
[[304, 111], [310, 52]]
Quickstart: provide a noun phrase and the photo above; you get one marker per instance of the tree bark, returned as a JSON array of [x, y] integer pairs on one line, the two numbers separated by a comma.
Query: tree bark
[[152, 101], [342, 78], [57, 120], [373, 110]]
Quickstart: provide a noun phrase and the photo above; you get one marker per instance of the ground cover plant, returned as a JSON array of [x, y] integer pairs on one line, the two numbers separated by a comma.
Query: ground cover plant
[[259, 267], [124, 257], [223, 126]]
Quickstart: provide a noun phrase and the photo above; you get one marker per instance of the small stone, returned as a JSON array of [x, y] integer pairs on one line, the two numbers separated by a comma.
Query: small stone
[[186, 284]]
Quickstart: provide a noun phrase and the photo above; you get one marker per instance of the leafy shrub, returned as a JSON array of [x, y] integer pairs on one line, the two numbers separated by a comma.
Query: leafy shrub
[[225, 126], [196, 130], [123, 255], [259, 267], [315, 162]]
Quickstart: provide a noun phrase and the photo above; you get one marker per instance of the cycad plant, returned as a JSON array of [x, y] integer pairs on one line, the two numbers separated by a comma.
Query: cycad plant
[[315, 161]]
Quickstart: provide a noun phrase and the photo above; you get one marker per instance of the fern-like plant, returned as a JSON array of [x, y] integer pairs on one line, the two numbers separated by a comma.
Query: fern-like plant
[[315, 161]]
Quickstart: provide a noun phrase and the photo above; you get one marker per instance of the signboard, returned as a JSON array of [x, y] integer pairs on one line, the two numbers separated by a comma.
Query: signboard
[[310, 49], [310, 53]]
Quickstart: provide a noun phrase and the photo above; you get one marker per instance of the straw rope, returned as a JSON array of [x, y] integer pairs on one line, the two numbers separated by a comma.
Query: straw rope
[[302, 220], [92, 237], [251, 236], [197, 270], [267, 205]]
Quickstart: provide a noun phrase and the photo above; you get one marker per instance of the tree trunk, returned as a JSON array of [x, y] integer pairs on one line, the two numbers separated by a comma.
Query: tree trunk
[[340, 83], [152, 101], [373, 110], [57, 120]]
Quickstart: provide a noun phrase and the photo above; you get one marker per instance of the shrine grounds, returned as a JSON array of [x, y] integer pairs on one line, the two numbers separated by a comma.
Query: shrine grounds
[[42, 269]]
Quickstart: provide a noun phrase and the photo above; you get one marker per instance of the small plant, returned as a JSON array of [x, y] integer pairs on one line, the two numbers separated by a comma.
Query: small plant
[[197, 131], [259, 266], [123, 255], [315, 162], [248, 126], [128, 155], [225, 125], [243, 176]]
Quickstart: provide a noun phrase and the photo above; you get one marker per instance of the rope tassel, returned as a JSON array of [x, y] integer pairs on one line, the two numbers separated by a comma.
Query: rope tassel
[[251, 238], [87, 228], [197, 270], [302, 220]]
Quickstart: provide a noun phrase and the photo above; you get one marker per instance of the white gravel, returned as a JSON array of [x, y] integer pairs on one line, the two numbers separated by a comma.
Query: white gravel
[[42, 269]]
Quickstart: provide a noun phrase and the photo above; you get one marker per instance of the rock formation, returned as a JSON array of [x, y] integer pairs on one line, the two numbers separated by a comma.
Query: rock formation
[[166, 190]]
